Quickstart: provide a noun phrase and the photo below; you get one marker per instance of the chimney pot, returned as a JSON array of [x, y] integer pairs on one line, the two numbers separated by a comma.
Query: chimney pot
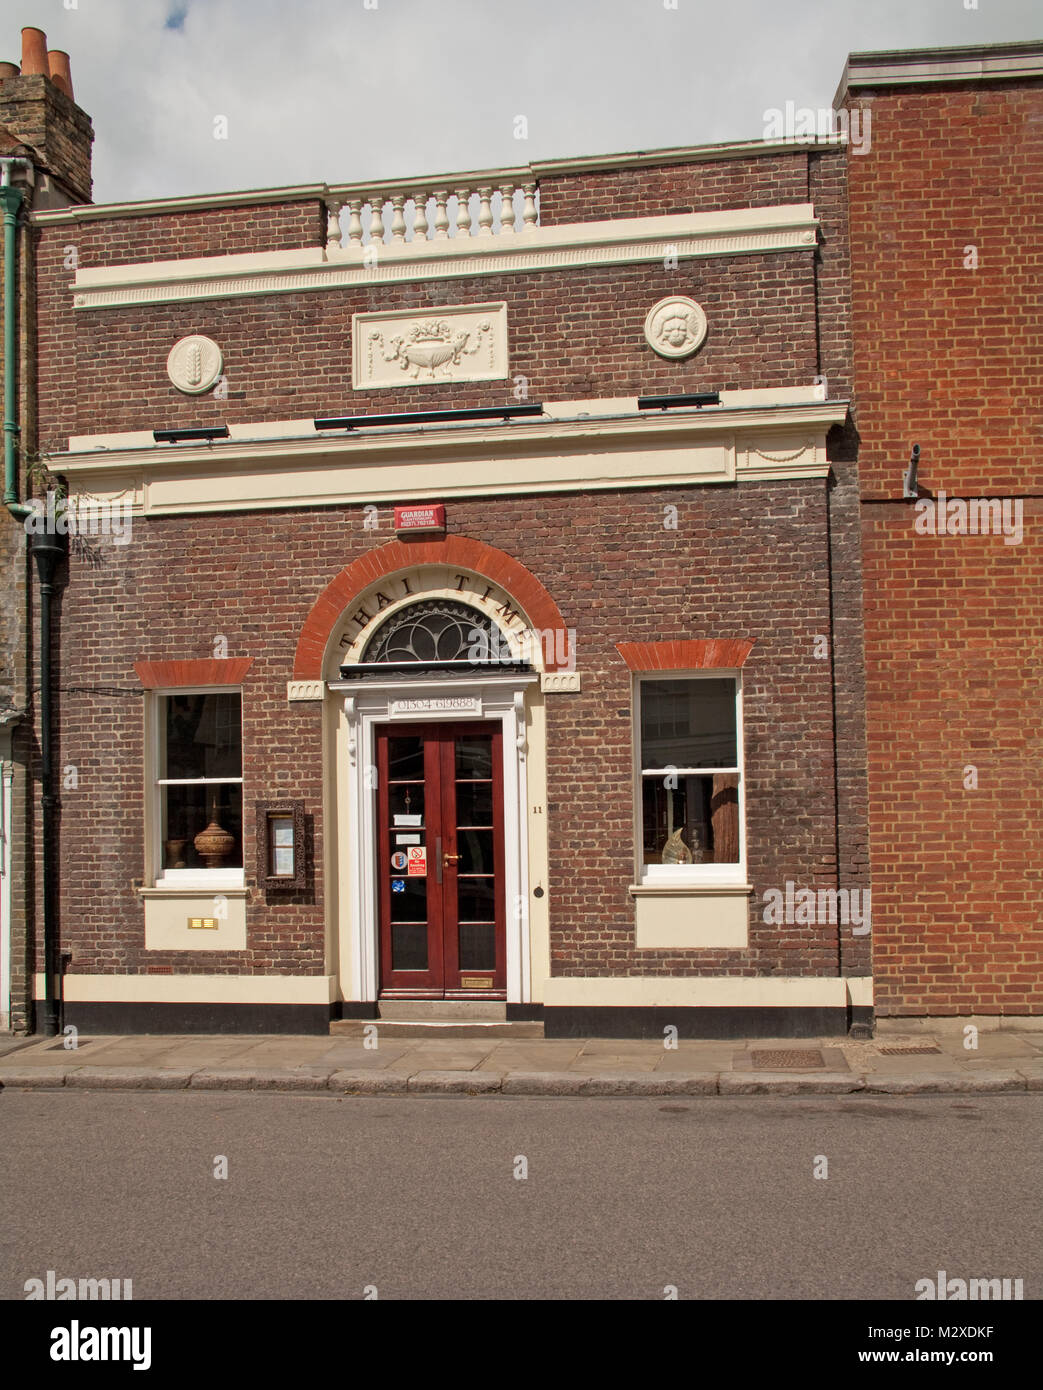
[[34, 53], [8, 70], [60, 71]]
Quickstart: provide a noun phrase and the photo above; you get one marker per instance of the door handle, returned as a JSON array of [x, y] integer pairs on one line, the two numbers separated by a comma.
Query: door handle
[[447, 858]]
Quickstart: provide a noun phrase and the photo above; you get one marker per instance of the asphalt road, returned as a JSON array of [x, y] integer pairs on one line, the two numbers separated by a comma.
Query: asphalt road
[[418, 1197]]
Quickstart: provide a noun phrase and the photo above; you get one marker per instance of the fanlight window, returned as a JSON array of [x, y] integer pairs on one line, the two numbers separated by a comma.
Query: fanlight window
[[437, 632]]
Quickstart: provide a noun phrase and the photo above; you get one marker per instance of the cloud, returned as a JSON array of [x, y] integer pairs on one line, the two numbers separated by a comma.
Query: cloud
[[332, 91]]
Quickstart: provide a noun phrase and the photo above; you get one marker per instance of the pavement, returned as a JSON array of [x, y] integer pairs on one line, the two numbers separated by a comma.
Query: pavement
[[905, 1057]]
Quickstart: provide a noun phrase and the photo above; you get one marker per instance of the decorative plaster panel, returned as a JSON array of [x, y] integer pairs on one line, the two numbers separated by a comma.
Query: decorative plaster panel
[[455, 343]]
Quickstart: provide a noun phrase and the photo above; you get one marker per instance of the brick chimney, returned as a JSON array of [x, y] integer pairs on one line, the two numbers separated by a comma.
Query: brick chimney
[[38, 109]]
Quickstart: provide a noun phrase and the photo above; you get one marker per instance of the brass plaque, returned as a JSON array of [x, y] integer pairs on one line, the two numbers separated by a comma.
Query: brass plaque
[[475, 982], [206, 923]]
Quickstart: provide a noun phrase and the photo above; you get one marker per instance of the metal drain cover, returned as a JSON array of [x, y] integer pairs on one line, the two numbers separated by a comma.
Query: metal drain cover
[[906, 1051], [768, 1059]]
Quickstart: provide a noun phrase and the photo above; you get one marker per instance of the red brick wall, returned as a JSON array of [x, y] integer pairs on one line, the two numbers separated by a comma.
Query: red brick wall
[[954, 632], [949, 357]]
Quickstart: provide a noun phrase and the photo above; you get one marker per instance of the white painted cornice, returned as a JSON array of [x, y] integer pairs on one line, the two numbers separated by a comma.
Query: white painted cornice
[[686, 154], [998, 62], [591, 451], [738, 231]]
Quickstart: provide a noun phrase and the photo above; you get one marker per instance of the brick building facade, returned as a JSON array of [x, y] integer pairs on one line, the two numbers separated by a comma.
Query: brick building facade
[[618, 666]]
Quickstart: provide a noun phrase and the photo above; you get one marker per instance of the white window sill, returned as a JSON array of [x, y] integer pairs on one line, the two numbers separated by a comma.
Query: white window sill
[[226, 881], [690, 888]]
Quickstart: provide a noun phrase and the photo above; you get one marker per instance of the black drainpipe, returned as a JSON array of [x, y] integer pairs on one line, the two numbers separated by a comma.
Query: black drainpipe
[[48, 550]]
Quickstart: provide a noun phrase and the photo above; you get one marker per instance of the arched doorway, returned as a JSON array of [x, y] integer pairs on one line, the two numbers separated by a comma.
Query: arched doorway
[[440, 691]]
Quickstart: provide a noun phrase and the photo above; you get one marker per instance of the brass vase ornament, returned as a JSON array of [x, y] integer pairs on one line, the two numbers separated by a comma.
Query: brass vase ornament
[[214, 844]]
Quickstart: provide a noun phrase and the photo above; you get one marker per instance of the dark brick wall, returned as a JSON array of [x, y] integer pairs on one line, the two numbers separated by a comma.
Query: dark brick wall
[[42, 116], [658, 189], [773, 562], [748, 562], [573, 334]]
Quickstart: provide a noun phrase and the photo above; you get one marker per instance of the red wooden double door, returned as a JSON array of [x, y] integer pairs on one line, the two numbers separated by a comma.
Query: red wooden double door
[[441, 861]]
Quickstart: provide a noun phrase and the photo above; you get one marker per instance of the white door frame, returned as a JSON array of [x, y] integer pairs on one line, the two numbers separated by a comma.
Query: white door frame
[[367, 703]]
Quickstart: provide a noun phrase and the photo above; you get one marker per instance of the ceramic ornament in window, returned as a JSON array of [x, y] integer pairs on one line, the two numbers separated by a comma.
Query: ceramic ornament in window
[[675, 851], [214, 844]]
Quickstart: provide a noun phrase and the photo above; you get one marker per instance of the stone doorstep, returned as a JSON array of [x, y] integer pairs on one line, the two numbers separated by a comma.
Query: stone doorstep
[[440, 1011], [427, 1029]]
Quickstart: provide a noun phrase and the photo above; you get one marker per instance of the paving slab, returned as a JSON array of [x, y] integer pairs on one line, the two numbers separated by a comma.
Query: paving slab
[[266, 1056], [706, 1059], [376, 1060], [119, 1043], [912, 1065], [191, 1048], [43, 1061], [427, 1059], [532, 1056], [994, 1044], [614, 1062]]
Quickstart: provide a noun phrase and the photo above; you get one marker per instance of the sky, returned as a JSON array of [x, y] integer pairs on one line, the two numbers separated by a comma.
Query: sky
[[336, 91]]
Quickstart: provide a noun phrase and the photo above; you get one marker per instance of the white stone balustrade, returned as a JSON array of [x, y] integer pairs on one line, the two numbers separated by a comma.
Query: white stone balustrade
[[486, 204]]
